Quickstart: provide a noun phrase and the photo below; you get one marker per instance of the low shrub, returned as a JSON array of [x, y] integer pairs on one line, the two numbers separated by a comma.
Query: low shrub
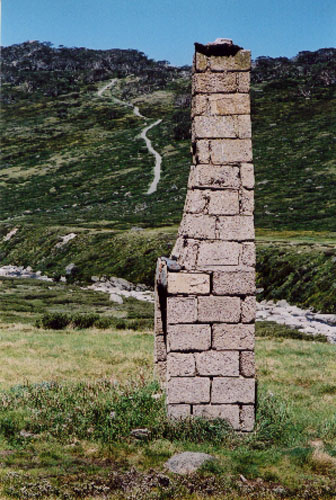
[[54, 321], [84, 320], [103, 322], [59, 321]]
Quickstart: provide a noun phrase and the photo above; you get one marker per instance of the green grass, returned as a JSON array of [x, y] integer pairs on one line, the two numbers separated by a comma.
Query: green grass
[[66, 434]]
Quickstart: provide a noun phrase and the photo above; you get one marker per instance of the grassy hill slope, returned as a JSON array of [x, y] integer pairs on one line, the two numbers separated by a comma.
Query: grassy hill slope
[[73, 161]]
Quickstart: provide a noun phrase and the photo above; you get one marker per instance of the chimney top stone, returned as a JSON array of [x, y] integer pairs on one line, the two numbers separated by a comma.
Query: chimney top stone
[[220, 47]]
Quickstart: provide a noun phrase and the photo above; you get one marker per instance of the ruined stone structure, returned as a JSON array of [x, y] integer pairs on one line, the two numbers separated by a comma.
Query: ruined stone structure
[[205, 293]]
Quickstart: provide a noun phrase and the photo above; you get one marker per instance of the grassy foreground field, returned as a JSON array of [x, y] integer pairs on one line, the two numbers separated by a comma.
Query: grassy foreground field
[[70, 399]]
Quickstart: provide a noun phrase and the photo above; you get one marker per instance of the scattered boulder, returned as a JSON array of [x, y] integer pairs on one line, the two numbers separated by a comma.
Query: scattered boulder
[[117, 288], [65, 239], [157, 395], [10, 234], [26, 434], [294, 317], [187, 462], [21, 272], [70, 268], [114, 297]]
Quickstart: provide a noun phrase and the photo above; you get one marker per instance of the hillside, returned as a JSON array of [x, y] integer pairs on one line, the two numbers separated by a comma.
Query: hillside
[[65, 150], [73, 161]]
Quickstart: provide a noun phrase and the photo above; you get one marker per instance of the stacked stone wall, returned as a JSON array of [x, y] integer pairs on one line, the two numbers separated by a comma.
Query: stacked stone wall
[[205, 300]]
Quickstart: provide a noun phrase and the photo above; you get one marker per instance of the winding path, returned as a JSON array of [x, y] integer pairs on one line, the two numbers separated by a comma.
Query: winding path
[[158, 158]]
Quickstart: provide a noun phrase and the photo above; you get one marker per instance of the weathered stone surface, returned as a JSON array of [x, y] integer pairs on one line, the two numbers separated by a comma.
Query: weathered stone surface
[[225, 309], [230, 413], [202, 151], [248, 254], [246, 202], [187, 462], [178, 412], [192, 284], [181, 309], [247, 364], [219, 177], [247, 175], [224, 104], [194, 337], [244, 82], [160, 372], [210, 82], [191, 178], [238, 336], [247, 418], [185, 251], [158, 326], [200, 105], [248, 310], [160, 350], [198, 226], [223, 202], [143, 433], [181, 365], [189, 390], [243, 127], [216, 126], [201, 62], [213, 363], [239, 62], [229, 151], [218, 253], [233, 390], [237, 227], [196, 201], [234, 283]]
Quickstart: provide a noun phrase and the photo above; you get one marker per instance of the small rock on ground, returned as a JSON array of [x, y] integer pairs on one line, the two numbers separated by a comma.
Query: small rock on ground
[[140, 433], [187, 462]]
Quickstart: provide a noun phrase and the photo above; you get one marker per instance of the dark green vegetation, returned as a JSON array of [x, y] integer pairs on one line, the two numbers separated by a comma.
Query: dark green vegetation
[[41, 69], [129, 254], [49, 305], [301, 273], [300, 267], [294, 154]]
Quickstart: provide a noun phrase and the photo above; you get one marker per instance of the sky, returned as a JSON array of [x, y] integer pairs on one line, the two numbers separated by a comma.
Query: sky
[[167, 29]]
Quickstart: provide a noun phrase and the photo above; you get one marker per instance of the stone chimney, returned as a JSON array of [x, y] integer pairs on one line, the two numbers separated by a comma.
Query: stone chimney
[[205, 293]]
